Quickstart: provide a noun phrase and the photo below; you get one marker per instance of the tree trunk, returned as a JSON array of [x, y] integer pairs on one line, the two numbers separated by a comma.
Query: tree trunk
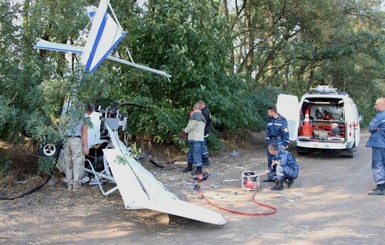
[[231, 52], [250, 40], [26, 31]]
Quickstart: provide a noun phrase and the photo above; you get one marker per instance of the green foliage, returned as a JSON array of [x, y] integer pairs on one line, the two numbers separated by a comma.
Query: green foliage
[[135, 150], [46, 165], [237, 62], [5, 164], [262, 98], [121, 160], [190, 40], [214, 143]]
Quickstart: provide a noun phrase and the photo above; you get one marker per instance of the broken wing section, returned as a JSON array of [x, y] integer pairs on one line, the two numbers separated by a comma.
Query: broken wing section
[[151, 186], [46, 45], [138, 66], [139, 188], [104, 36]]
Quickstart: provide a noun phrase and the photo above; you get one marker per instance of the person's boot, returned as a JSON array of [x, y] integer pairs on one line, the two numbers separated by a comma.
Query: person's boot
[[278, 186], [197, 171], [289, 182], [205, 161], [76, 185], [271, 177], [268, 180], [380, 190], [188, 168]]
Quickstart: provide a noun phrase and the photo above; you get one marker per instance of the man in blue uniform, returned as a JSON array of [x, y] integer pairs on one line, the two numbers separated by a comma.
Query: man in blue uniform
[[286, 166], [377, 142], [276, 132]]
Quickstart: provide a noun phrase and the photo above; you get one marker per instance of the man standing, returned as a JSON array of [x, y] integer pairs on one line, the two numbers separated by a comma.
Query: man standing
[[286, 166], [195, 131], [75, 147], [207, 115], [276, 132], [377, 142]]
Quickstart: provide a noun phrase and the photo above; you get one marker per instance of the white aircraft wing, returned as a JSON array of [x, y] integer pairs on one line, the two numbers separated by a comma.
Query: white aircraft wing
[[139, 188], [46, 45], [104, 36], [60, 47], [138, 66]]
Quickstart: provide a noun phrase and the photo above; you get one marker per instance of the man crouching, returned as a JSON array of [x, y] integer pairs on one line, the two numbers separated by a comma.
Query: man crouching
[[286, 166]]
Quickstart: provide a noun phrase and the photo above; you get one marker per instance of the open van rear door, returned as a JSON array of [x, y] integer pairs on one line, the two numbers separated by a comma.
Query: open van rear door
[[288, 106]]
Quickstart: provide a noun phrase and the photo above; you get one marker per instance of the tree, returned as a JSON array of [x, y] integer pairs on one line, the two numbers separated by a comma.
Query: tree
[[298, 44], [235, 55], [191, 41], [19, 82]]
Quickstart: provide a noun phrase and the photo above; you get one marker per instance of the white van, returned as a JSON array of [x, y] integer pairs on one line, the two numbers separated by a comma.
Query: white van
[[323, 119]]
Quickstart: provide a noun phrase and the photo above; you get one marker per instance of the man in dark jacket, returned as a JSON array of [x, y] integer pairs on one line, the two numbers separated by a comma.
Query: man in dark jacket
[[206, 113], [276, 132], [286, 166], [377, 142]]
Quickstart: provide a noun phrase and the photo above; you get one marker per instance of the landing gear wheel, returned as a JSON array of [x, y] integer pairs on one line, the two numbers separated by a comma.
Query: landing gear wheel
[[49, 150]]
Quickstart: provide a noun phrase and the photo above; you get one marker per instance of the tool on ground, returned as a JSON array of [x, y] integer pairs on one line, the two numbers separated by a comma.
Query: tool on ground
[[201, 177]]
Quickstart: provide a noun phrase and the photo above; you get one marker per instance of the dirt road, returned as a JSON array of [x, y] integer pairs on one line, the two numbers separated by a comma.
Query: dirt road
[[328, 204]]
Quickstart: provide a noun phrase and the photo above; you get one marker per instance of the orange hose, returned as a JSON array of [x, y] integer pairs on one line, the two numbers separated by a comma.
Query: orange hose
[[274, 210]]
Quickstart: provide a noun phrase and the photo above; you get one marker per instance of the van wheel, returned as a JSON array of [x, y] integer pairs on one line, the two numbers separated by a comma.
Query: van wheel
[[348, 153]]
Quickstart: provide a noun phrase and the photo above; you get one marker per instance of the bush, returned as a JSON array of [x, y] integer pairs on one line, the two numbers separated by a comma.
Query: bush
[[214, 143], [5, 164], [46, 165]]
